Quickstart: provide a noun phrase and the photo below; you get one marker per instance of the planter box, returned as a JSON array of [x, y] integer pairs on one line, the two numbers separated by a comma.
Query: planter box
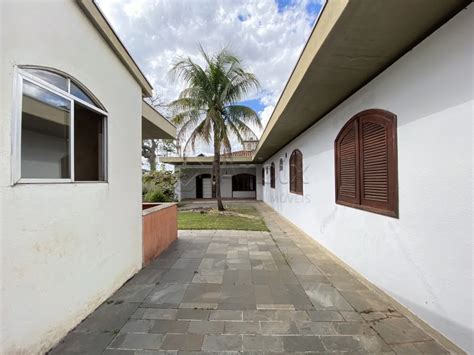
[[160, 228]]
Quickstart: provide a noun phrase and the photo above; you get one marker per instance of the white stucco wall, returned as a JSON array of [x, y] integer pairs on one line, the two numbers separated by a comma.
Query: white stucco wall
[[65, 247], [186, 188], [424, 259]]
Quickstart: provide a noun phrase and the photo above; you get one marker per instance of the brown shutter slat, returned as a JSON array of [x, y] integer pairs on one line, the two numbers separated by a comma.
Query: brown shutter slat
[[347, 179], [296, 172], [378, 175]]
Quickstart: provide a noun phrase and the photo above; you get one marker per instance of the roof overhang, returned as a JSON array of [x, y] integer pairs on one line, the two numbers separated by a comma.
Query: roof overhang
[[154, 125], [93, 13], [352, 42], [204, 160]]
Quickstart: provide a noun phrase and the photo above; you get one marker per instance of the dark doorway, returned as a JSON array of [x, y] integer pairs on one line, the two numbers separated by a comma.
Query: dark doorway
[[199, 188]]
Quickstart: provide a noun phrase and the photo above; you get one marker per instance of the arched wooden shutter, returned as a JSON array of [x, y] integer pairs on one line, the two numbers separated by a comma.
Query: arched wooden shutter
[[366, 163], [296, 172], [272, 175], [347, 164], [378, 162]]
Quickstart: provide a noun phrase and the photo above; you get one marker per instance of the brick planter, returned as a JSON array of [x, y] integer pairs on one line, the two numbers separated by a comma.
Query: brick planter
[[160, 228]]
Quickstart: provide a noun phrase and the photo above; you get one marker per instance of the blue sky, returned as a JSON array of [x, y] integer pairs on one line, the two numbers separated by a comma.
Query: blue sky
[[268, 35]]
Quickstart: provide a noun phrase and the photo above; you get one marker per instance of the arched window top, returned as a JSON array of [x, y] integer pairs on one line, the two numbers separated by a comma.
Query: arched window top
[[296, 172], [272, 175], [366, 162], [65, 83]]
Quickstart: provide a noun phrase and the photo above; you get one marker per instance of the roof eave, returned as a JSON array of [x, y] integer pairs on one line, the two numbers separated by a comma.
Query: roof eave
[[352, 42], [154, 125], [97, 18]]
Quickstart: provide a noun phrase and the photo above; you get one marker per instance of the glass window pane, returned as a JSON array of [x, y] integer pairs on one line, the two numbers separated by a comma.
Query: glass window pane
[[45, 122], [88, 145], [77, 92], [50, 77]]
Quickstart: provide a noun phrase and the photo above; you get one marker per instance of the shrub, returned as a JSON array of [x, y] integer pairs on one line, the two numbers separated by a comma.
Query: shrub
[[159, 186]]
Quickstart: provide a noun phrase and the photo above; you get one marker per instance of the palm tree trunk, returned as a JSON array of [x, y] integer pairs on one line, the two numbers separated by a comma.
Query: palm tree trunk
[[216, 168]]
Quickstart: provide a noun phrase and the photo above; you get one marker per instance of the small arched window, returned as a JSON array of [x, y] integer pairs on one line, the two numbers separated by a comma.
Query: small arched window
[[280, 168], [366, 163], [272, 175], [60, 129], [263, 176], [296, 172]]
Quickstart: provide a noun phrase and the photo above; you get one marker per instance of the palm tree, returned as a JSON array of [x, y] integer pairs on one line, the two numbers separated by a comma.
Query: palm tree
[[208, 110]]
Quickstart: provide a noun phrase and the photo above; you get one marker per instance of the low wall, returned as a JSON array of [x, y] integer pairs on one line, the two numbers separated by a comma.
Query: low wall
[[160, 228]]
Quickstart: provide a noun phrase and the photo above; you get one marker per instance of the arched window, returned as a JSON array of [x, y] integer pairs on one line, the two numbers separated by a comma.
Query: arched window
[[263, 176], [60, 129], [280, 168], [296, 172], [366, 163], [272, 175]]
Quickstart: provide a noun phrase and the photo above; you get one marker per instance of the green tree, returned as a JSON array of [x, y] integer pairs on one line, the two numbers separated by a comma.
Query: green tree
[[208, 110]]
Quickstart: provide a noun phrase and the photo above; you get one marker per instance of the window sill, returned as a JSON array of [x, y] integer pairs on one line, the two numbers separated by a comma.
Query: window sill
[[56, 181], [392, 214]]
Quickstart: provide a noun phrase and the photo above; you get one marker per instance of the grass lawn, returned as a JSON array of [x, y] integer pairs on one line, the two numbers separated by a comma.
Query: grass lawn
[[248, 218]]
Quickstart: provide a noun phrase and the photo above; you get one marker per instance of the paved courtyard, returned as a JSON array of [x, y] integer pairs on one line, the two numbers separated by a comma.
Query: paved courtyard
[[246, 292]]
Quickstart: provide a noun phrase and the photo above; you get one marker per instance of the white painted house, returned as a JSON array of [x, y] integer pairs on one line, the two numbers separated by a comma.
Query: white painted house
[[71, 127], [369, 151]]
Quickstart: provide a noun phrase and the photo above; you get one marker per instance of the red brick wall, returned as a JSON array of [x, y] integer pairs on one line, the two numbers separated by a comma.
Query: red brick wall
[[160, 229]]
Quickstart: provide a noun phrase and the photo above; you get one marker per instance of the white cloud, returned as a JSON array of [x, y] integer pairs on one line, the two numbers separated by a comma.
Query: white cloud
[[268, 41]]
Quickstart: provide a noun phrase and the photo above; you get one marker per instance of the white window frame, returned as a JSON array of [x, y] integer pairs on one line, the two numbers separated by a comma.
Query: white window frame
[[22, 75]]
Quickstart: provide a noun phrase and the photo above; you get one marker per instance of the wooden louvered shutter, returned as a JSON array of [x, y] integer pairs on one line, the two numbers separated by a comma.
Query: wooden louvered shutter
[[272, 175], [292, 172], [347, 164], [299, 173], [378, 162]]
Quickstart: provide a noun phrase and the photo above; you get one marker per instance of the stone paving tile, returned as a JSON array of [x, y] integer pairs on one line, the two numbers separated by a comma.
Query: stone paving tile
[[399, 330], [132, 293], [241, 292], [279, 328], [137, 326], [316, 328], [193, 314], [262, 343], [428, 347], [206, 327], [302, 343], [226, 315], [341, 343], [171, 292], [325, 296], [109, 317], [169, 326], [83, 343], [153, 313], [222, 343], [182, 342], [137, 341], [244, 327], [325, 316]]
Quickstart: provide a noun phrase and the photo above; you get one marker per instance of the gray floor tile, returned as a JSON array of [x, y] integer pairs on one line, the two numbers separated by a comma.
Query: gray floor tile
[[222, 343], [137, 341], [83, 343], [191, 342], [169, 326]]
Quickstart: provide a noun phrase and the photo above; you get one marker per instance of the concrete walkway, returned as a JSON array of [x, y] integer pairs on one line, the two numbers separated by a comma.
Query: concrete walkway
[[246, 292]]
